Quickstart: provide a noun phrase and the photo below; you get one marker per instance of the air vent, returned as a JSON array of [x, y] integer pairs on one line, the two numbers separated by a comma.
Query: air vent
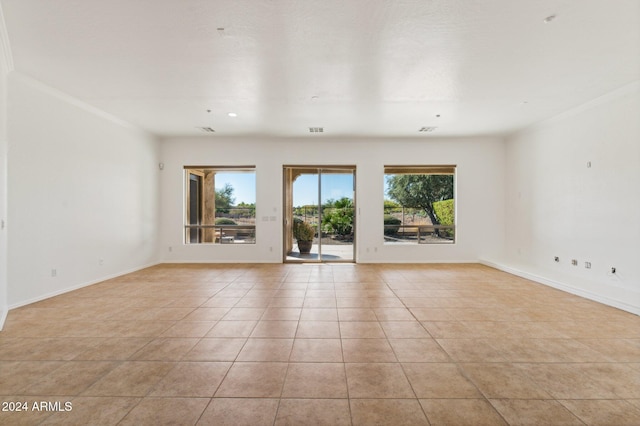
[[207, 129], [427, 129], [316, 129]]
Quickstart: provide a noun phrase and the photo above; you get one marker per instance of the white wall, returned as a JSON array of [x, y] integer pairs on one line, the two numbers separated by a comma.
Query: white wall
[[5, 67], [480, 192], [82, 187], [557, 206]]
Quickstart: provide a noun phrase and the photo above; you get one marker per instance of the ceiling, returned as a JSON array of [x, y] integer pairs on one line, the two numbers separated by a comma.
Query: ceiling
[[353, 67]]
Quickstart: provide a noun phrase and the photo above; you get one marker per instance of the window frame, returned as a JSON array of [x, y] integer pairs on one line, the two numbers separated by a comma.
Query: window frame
[[210, 233], [421, 234]]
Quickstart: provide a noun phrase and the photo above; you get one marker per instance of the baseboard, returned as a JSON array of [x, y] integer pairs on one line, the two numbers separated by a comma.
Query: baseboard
[[217, 262], [3, 317], [563, 286], [79, 286], [416, 262]]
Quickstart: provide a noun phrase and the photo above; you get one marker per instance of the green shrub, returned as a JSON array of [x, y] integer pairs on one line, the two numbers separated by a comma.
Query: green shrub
[[445, 212], [225, 221], [392, 224], [339, 221], [339, 218], [388, 204]]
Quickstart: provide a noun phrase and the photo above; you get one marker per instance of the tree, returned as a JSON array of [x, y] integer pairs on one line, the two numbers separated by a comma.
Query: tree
[[329, 203], [420, 191], [224, 198], [306, 210], [244, 210], [391, 205]]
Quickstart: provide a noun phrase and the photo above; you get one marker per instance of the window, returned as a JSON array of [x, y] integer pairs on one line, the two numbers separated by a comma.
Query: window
[[419, 206], [220, 205]]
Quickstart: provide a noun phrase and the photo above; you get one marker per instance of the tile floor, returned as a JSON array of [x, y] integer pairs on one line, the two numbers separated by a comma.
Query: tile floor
[[320, 344]]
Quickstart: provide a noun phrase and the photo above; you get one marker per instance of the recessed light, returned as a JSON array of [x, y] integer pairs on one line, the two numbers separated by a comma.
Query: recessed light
[[549, 18], [232, 114]]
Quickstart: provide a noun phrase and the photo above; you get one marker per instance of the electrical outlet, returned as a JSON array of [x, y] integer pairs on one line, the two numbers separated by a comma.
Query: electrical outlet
[[587, 265], [54, 273]]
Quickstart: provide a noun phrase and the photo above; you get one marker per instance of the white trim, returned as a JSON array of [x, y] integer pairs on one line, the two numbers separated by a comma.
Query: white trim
[[79, 286], [3, 317], [77, 102], [563, 286], [219, 262], [6, 46], [420, 262]]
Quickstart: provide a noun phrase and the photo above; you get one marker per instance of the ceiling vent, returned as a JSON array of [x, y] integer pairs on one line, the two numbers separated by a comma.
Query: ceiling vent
[[427, 129], [207, 129], [316, 129]]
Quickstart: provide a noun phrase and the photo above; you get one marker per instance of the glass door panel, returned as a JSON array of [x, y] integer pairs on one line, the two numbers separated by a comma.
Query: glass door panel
[[305, 216], [319, 214], [337, 214]]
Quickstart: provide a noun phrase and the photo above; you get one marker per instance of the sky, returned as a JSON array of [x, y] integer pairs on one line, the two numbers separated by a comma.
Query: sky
[[243, 183], [334, 186], [305, 187]]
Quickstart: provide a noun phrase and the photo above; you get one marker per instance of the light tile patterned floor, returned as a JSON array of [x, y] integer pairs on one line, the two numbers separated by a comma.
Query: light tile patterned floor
[[334, 344]]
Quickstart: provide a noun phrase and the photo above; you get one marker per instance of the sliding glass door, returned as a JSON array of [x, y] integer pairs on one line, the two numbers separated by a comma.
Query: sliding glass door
[[319, 213]]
